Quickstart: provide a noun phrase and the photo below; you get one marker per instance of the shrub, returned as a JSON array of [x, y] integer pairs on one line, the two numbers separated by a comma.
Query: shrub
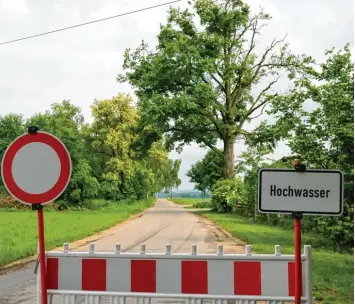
[[227, 195], [203, 204], [75, 196]]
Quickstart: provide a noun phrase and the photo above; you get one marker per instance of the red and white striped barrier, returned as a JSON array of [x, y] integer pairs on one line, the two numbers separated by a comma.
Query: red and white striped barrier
[[258, 275]]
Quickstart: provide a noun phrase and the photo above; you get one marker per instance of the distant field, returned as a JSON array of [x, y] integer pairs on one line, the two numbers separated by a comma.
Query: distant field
[[188, 201], [332, 272], [18, 230]]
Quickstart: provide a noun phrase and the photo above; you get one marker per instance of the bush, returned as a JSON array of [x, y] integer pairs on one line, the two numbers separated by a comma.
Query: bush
[[227, 195], [203, 204], [95, 204], [63, 205], [75, 196]]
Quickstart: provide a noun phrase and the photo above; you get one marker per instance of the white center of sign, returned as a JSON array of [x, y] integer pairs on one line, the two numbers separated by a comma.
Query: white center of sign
[[36, 168]]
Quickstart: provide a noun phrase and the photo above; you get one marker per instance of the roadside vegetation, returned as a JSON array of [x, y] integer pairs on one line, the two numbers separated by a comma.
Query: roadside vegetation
[[110, 159], [332, 272], [18, 230], [193, 202], [331, 147]]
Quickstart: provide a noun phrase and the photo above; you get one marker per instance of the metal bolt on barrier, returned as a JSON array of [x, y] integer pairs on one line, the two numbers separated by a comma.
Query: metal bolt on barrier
[[66, 248], [118, 248], [167, 249], [194, 249], [91, 248], [248, 250], [220, 249], [277, 250], [142, 249]]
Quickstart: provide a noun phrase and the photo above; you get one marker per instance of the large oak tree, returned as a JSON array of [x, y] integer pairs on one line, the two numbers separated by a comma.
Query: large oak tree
[[205, 80]]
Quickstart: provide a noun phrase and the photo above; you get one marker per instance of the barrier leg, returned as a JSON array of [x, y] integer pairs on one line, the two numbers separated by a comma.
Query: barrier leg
[[38, 287], [308, 254]]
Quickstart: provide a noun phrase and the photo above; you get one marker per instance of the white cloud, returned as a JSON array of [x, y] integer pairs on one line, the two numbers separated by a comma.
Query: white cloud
[[18, 7]]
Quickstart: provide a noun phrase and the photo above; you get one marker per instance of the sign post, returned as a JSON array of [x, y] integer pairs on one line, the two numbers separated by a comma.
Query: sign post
[[298, 263], [300, 192], [36, 169]]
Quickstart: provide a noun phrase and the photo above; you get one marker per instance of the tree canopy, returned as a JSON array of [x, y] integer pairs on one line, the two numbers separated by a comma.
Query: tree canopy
[[105, 162], [206, 172], [206, 80], [317, 122]]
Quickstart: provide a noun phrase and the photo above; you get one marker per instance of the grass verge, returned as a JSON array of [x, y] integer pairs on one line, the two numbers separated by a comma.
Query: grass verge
[[18, 230], [332, 272], [188, 201]]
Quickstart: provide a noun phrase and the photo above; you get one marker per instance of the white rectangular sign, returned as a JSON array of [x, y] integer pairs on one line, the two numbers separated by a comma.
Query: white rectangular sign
[[318, 192]]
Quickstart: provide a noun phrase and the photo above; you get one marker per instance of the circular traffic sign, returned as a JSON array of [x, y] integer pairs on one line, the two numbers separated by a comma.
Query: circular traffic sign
[[36, 168]]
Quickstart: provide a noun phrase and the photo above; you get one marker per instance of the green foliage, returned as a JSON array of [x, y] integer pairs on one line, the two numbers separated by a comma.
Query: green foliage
[[83, 182], [142, 181], [203, 204], [227, 195], [205, 173], [171, 175], [110, 136], [11, 126], [321, 135], [205, 80], [105, 162]]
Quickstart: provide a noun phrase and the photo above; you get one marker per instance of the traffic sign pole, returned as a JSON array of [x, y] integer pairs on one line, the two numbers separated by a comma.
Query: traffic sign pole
[[42, 252], [297, 235], [298, 263]]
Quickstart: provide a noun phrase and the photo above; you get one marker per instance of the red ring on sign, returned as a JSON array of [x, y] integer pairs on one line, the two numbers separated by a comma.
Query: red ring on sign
[[65, 168]]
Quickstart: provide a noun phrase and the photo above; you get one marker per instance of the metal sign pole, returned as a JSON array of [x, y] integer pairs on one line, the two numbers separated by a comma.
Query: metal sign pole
[[298, 263], [42, 252], [297, 216]]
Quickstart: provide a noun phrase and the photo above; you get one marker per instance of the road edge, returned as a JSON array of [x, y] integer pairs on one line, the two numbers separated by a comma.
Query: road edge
[[219, 228], [75, 244]]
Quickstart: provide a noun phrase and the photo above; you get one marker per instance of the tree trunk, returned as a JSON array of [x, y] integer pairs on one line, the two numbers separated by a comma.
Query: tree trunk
[[229, 158]]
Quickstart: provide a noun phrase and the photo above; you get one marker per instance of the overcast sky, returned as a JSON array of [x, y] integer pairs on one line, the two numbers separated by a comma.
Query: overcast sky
[[81, 64]]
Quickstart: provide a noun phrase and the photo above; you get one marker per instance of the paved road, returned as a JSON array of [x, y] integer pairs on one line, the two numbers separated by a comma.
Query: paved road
[[163, 224]]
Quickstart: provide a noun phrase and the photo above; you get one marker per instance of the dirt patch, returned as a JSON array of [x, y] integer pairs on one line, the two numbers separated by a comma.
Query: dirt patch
[[218, 236]]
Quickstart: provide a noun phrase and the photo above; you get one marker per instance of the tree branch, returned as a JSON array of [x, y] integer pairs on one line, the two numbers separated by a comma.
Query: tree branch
[[251, 109], [213, 148], [174, 129], [204, 79], [262, 112], [261, 104], [238, 89], [260, 64], [218, 82], [214, 122]]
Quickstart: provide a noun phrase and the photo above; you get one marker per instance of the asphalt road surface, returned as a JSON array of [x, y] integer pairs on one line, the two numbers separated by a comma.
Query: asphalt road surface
[[165, 223]]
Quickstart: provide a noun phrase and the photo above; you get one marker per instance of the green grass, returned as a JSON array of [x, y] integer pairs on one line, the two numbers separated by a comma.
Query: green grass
[[187, 201], [18, 230], [332, 272]]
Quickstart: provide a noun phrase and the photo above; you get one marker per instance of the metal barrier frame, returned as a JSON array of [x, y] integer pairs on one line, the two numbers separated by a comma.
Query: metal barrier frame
[[70, 297]]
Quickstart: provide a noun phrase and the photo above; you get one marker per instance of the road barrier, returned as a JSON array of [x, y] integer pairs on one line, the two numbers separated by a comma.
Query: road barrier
[[193, 277]]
